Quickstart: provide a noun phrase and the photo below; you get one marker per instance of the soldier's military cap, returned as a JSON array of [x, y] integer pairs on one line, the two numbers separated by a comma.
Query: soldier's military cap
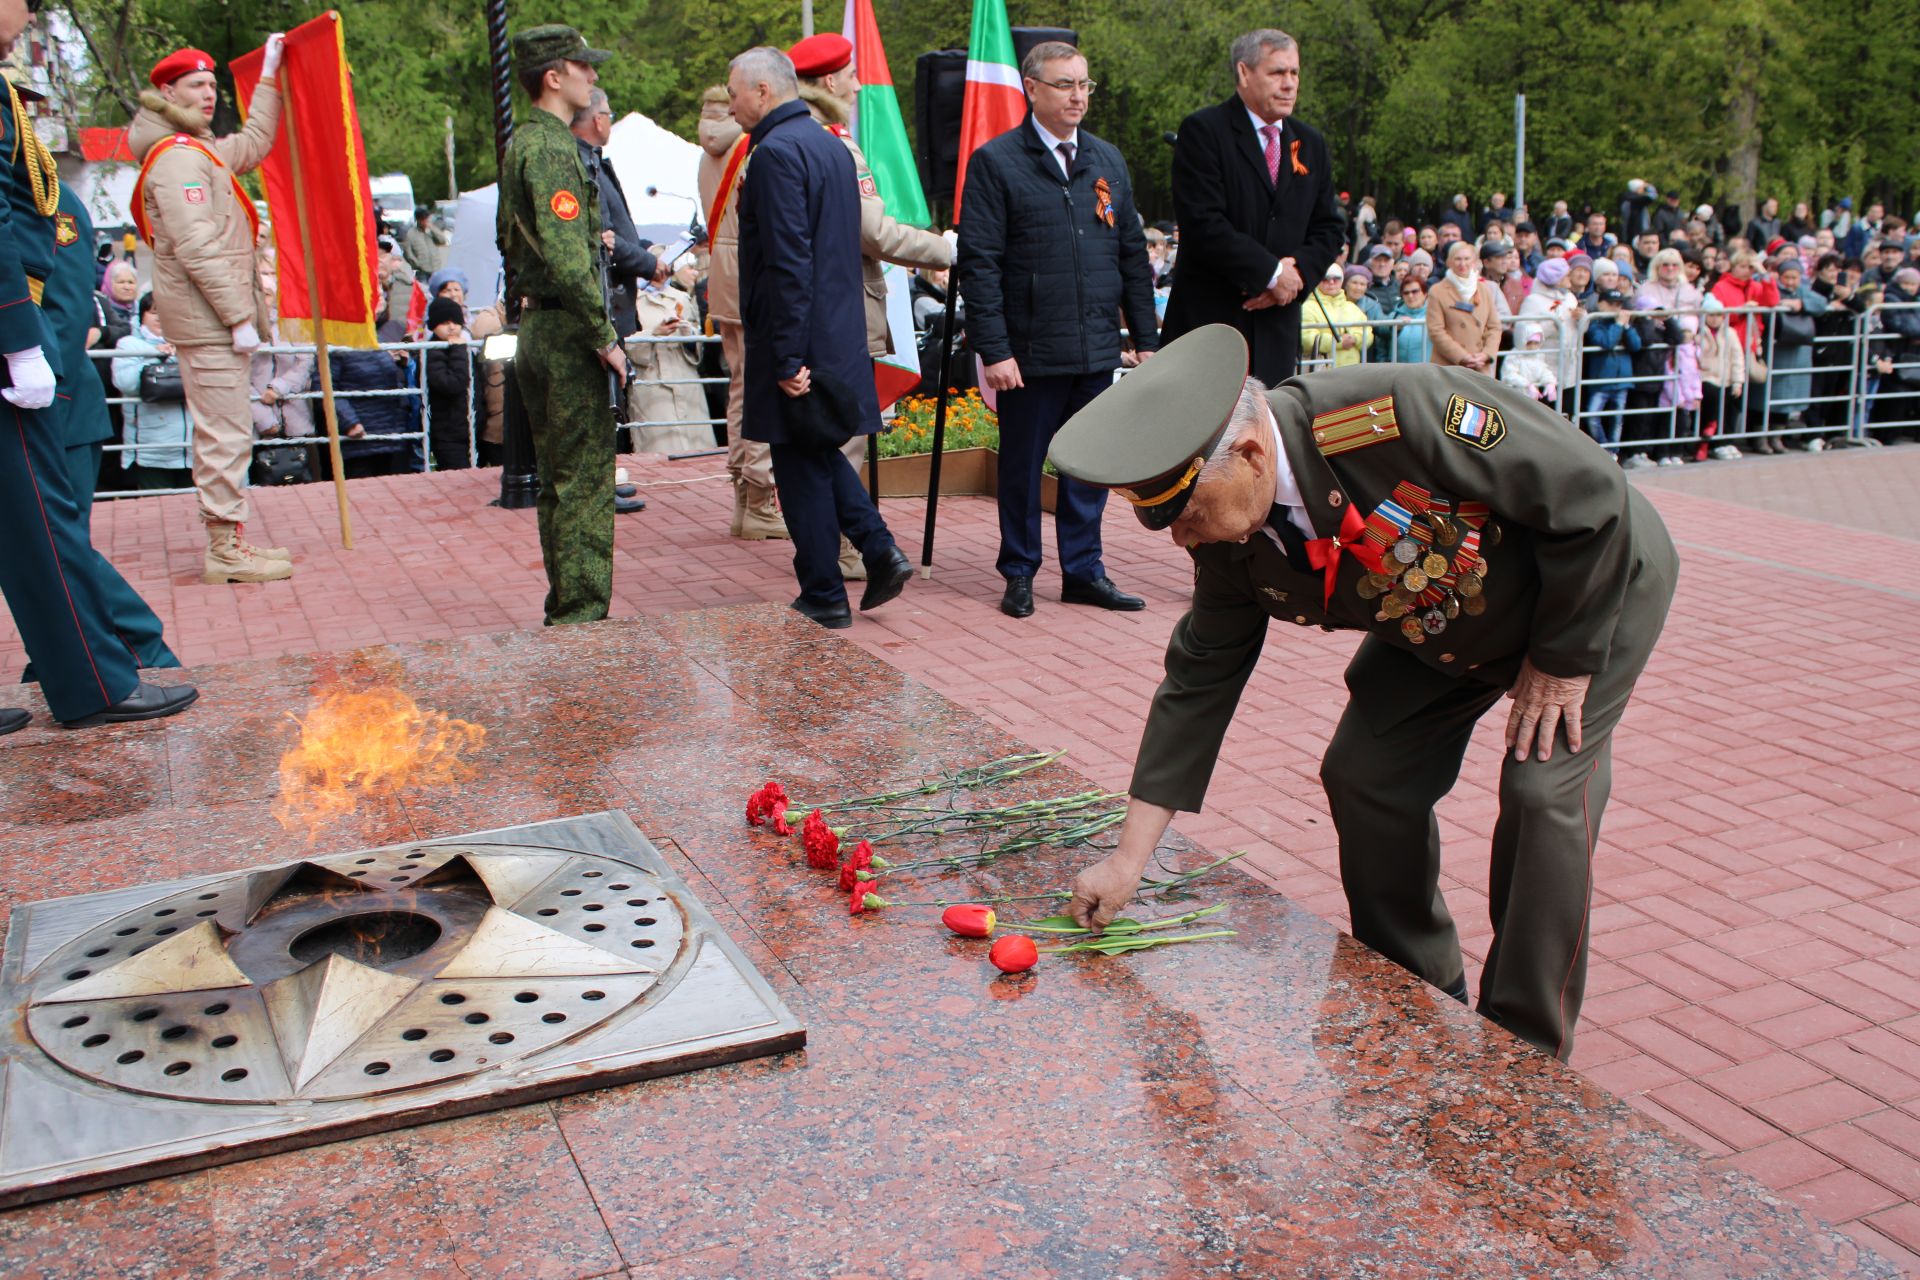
[[1149, 435], [551, 43], [821, 55]]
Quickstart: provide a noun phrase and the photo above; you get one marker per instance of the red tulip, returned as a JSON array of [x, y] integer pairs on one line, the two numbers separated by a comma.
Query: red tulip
[[1014, 953], [969, 921]]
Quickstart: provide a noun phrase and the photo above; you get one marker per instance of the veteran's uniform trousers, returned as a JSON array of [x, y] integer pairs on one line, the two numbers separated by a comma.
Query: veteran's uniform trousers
[[1382, 788]]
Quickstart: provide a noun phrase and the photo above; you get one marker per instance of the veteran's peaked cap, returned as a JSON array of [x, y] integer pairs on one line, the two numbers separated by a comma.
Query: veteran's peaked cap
[[1149, 434]]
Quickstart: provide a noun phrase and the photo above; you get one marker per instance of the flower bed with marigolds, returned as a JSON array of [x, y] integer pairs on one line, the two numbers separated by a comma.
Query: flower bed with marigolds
[[970, 425]]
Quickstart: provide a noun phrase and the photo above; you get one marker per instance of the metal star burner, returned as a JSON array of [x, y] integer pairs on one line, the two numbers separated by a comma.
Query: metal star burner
[[179, 1025]]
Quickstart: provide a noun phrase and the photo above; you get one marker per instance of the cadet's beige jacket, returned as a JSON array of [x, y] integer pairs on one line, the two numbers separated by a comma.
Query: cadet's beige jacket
[[203, 270], [882, 239], [718, 132]]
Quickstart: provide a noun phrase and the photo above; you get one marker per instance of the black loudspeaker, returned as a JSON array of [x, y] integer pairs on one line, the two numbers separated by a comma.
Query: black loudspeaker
[[939, 93]]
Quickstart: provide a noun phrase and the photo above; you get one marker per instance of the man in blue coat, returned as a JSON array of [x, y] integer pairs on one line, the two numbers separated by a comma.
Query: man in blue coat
[[808, 377], [1051, 255], [87, 675]]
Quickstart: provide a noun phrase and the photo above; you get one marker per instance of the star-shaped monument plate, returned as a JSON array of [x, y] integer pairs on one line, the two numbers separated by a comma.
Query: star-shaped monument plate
[[177, 1025]]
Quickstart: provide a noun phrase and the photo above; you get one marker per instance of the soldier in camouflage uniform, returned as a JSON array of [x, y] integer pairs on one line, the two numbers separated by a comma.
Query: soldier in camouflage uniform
[[549, 232]]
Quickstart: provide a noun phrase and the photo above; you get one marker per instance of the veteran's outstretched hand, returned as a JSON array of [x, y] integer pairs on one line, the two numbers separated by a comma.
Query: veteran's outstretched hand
[[1102, 891], [1542, 703]]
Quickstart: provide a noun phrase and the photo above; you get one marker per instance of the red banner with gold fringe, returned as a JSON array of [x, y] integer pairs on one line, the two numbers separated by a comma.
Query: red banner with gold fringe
[[317, 99]]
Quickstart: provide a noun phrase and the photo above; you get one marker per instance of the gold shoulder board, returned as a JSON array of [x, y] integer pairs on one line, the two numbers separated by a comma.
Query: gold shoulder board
[[1355, 427]]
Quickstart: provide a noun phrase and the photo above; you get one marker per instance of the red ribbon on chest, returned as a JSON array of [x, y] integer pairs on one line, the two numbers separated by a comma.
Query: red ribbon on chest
[[1324, 553]]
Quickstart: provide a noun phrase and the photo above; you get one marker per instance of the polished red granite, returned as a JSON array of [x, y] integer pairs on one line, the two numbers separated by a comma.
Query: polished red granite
[[1280, 1104]]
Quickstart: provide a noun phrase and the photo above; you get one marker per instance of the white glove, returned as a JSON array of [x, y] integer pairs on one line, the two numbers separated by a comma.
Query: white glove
[[32, 379], [276, 47], [246, 339]]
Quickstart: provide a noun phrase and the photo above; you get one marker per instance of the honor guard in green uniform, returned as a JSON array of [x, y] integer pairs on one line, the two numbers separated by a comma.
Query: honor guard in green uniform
[[1484, 547], [46, 562], [549, 232]]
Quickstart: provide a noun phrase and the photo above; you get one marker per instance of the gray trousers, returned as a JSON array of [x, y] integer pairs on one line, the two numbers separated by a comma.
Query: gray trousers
[[1382, 789]]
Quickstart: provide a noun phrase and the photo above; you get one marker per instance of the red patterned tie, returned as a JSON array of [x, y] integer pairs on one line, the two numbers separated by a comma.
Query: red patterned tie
[[1272, 131]]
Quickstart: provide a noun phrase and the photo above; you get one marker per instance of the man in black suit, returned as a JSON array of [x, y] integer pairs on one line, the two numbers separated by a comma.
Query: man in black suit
[[1051, 255], [1254, 192], [628, 261]]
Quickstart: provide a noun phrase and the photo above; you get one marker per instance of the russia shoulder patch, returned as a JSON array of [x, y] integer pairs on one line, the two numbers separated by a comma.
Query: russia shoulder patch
[[1479, 425]]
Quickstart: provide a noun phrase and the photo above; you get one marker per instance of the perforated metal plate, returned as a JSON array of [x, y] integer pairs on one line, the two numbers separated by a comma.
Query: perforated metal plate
[[183, 1024]]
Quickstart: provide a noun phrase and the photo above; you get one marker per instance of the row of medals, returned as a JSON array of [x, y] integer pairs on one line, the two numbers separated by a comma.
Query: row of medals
[[1409, 569]]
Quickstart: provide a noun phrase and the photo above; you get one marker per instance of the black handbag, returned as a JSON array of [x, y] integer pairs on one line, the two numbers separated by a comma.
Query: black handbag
[[280, 464], [160, 383], [1793, 329]]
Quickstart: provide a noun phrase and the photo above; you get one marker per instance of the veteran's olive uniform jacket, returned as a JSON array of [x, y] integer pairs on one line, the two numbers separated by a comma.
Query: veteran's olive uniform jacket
[[1560, 531]]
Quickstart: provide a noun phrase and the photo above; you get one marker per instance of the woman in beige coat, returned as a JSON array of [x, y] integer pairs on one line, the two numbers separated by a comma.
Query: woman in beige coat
[[666, 390], [1463, 317]]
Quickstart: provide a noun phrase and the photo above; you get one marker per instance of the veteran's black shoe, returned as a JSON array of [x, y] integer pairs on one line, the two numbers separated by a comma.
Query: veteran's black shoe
[[1100, 593], [625, 490], [833, 619], [1458, 990], [1017, 600], [627, 506], [12, 720], [886, 579], [146, 702]]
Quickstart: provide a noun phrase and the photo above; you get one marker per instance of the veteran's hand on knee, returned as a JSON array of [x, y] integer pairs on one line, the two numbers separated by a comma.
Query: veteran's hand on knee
[[1541, 703]]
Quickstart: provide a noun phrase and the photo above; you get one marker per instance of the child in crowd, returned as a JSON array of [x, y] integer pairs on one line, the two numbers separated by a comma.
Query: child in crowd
[[1723, 378], [1609, 362]]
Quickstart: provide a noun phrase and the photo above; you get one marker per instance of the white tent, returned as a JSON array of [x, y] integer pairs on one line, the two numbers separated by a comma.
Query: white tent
[[658, 170]]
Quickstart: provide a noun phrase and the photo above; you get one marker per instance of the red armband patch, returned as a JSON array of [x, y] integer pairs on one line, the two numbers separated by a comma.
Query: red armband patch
[[565, 205]]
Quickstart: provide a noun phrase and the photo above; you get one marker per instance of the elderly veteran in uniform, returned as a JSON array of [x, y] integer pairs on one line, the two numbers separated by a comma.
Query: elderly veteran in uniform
[[1483, 548]]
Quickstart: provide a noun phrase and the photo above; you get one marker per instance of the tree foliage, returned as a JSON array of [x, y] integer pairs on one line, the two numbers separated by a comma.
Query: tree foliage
[[1723, 100]]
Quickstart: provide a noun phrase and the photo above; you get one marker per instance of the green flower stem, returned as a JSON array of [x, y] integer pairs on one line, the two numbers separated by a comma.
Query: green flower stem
[[1054, 895], [1094, 944], [971, 778]]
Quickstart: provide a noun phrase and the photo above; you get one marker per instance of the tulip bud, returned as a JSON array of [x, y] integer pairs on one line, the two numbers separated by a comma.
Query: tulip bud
[[1014, 953], [969, 921]]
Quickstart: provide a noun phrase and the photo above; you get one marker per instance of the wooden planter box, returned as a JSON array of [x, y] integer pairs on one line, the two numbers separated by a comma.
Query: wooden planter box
[[963, 472]]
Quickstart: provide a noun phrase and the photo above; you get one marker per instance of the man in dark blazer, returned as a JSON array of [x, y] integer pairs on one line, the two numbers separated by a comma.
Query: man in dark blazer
[[803, 306], [1051, 254], [1253, 189], [628, 262]]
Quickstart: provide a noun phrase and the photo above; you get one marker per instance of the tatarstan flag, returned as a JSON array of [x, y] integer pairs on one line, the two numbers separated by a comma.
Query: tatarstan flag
[[994, 101], [882, 135], [881, 132]]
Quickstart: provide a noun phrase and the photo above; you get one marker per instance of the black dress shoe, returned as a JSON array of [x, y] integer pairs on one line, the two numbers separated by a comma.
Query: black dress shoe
[[1458, 990], [886, 579], [1017, 600], [832, 619], [12, 719], [146, 702], [625, 490], [1102, 594], [626, 506]]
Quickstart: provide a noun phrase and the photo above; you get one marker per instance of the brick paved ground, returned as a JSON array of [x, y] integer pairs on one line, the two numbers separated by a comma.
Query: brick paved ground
[[1756, 973]]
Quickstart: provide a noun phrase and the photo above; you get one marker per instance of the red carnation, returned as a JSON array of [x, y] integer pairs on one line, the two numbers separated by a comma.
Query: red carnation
[[756, 811], [861, 900], [860, 859], [821, 841], [769, 802]]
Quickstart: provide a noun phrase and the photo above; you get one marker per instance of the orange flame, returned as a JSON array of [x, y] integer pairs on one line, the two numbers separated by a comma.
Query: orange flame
[[366, 743]]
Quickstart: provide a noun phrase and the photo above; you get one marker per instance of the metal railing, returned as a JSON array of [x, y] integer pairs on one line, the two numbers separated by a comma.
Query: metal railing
[[1853, 385], [415, 444]]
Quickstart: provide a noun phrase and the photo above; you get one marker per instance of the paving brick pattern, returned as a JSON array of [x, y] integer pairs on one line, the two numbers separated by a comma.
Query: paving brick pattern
[[1756, 969]]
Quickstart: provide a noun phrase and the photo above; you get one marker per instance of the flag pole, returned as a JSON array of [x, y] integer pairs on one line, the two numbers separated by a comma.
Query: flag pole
[[320, 361], [939, 423]]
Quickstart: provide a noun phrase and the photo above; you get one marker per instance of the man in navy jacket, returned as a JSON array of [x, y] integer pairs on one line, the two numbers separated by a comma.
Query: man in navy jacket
[[804, 307], [1253, 189], [1051, 255]]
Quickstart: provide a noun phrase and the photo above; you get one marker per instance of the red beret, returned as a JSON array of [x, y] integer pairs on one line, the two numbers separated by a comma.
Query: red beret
[[821, 55], [183, 62]]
